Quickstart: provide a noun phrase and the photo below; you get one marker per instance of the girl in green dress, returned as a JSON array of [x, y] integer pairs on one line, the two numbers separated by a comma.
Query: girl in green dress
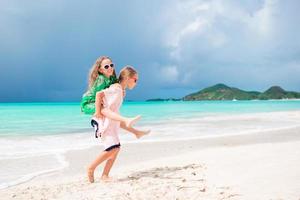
[[102, 75]]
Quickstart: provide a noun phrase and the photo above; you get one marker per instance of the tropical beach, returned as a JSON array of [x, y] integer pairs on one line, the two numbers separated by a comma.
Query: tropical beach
[[242, 155], [158, 100]]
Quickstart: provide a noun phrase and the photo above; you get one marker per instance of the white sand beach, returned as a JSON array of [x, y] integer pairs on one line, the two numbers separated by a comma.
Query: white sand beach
[[259, 165]]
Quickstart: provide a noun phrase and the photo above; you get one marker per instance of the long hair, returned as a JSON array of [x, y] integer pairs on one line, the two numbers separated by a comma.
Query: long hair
[[127, 72], [94, 71]]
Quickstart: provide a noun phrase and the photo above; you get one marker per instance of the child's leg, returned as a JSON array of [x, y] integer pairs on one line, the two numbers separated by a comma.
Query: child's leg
[[136, 132], [109, 164], [115, 116], [102, 157]]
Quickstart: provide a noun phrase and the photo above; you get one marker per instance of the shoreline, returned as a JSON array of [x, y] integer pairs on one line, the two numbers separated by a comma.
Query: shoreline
[[163, 123], [142, 157], [130, 101]]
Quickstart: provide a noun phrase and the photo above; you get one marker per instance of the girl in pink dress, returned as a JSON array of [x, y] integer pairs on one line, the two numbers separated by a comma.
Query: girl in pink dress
[[112, 101]]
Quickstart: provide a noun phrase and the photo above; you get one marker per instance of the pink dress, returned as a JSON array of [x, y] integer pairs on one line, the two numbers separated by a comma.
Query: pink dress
[[113, 99]]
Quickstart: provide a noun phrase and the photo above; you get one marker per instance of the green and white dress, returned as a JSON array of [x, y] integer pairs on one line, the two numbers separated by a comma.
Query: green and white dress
[[88, 99]]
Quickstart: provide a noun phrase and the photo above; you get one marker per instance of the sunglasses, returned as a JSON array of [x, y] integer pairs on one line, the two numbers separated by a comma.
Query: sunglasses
[[107, 66], [135, 80]]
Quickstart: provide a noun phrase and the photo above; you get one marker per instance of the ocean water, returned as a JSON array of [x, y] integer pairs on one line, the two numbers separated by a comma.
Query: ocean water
[[43, 132], [25, 119]]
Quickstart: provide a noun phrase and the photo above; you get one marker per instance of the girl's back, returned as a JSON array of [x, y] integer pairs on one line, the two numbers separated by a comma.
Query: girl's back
[[113, 99]]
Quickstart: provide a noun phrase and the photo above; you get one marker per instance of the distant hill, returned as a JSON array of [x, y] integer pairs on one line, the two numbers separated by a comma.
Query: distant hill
[[223, 92], [169, 99], [276, 92]]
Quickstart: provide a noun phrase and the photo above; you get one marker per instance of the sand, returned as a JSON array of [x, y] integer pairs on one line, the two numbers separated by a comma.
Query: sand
[[262, 165]]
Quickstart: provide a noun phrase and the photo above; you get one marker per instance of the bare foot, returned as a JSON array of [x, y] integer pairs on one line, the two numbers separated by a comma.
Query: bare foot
[[142, 133], [90, 174], [130, 121], [107, 179]]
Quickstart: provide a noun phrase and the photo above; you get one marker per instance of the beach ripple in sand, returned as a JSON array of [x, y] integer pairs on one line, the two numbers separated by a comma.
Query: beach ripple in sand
[[185, 182]]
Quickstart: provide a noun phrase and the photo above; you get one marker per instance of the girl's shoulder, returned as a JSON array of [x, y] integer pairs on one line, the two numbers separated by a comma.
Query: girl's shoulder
[[105, 80], [116, 86], [99, 80], [114, 90]]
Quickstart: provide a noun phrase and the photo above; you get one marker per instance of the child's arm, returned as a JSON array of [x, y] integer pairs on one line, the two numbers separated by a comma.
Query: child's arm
[[98, 104]]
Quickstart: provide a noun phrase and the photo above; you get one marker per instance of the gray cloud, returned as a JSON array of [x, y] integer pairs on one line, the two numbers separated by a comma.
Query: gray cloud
[[231, 42], [177, 46]]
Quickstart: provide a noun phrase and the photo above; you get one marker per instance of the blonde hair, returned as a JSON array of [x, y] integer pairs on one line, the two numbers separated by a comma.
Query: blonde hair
[[127, 72], [94, 71]]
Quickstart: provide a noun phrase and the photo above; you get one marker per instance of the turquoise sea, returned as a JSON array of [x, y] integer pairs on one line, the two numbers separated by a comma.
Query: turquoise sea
[[24, 119]]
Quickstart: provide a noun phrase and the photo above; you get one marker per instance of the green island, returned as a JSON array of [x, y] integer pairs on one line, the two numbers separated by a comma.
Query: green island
[[223, 92]]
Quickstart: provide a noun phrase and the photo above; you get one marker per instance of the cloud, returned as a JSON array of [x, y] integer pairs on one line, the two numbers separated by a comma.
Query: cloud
[[169, 74], [217, 38]]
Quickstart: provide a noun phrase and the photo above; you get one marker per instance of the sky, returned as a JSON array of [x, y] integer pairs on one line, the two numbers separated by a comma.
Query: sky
[[178, 47]]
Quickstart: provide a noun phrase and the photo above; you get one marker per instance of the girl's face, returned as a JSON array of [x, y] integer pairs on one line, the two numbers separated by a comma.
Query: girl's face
[[106, 68], [131, 82]]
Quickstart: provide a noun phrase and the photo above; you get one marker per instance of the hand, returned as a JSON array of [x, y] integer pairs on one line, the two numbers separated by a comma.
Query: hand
[[101, 101], [98, 116]]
